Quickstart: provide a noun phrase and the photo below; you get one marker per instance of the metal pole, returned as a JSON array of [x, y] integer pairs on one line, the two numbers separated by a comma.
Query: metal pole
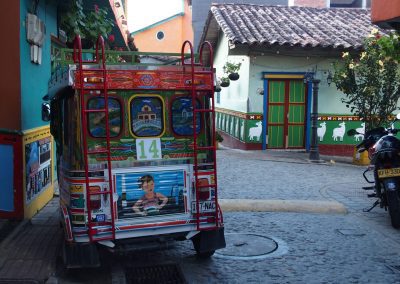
[[314, 153]]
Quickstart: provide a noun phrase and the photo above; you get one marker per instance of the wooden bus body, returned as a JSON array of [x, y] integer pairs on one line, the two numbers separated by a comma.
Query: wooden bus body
[[136, 155]]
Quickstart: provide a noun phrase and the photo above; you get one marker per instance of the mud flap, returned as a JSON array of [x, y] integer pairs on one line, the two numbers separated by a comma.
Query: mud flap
[[206, 241], [76, 255]]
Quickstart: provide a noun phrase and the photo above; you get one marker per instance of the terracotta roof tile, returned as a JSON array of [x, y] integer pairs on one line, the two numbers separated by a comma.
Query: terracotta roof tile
[[293, 26]]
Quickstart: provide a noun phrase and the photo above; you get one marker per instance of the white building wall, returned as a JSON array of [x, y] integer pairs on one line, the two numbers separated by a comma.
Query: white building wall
[[235, 96], [329, 98], [242, 95]]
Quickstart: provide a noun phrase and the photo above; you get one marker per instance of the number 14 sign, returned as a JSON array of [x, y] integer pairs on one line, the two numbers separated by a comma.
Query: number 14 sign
[[148, 149]]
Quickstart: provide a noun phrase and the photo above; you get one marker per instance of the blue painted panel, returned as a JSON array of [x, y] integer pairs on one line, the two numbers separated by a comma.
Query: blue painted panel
[[34, 77], [6, 178]]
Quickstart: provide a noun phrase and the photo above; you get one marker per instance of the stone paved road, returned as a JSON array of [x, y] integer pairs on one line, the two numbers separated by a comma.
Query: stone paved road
[[357, 247]]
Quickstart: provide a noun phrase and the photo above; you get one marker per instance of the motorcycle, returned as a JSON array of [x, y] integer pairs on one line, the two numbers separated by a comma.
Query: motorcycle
[[384, 153]]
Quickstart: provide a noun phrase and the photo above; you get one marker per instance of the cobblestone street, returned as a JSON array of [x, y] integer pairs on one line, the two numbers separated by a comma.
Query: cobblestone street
[[269, 247], [356, 247]]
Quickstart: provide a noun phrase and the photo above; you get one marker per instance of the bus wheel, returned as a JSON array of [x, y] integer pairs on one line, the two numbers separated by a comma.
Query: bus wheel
[[201, 250], [205, 254]]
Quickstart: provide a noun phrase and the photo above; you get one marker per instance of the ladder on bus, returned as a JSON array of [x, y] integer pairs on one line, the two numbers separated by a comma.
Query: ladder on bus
[[104, 229], [198, 68]]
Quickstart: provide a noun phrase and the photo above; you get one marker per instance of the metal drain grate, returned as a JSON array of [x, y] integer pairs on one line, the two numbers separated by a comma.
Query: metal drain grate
[[158, 273]]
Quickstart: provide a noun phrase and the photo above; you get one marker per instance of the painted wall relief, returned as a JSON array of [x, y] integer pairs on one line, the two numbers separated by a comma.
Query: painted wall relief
[[339, 132], [255, 132], [361, 131], [321, 131]]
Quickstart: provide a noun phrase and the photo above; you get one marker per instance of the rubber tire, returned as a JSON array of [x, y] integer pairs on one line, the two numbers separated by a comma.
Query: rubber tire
[[393, 201], [205, 254]]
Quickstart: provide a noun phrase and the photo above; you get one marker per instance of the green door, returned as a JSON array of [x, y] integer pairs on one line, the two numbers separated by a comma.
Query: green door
[[286, 114], [276, 114]]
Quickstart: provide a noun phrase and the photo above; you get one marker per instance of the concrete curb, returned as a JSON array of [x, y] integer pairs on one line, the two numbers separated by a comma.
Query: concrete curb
[[303, 206]]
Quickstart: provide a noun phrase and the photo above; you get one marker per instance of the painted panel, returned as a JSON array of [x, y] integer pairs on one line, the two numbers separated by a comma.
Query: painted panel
[[296, 114], [295, 136], [275, 136], [38, 176], [277, 92], [296, 92], [332, 129], [38, 168], [7, 178], [276, 114], [147, 193]]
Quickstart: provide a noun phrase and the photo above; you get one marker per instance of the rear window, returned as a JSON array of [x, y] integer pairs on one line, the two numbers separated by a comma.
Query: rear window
[[147, 113], [96, 120], [182, 116]]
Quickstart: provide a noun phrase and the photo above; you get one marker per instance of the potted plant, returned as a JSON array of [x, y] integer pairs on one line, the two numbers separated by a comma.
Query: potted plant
[[232, 70], [225, 82], [218, 138], [88, 25]]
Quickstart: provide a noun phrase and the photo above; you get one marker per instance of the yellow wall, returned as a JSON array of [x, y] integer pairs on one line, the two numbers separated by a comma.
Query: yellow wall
[[176, 31], [37, 201]]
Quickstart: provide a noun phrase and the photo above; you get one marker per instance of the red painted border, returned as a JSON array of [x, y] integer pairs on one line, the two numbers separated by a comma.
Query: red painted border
[[336, 150]]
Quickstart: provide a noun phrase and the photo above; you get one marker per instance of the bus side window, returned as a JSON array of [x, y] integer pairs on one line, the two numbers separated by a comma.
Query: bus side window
[[96, 120], [182, 116]]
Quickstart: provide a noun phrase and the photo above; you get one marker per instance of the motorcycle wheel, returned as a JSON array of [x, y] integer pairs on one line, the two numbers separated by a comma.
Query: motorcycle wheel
[[393, 200]]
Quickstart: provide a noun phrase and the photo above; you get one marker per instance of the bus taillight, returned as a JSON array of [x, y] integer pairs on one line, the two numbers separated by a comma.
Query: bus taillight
[[95, 199]]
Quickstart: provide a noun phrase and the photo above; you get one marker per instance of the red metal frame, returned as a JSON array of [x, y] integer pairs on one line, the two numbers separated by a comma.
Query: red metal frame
[[84, 111], [211, 111]]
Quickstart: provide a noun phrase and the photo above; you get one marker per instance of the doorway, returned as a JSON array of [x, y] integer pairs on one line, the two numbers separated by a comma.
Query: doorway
[[287, 109]]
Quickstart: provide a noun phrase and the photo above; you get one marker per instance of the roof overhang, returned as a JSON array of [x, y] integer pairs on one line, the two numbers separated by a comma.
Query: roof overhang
[[212, 32]]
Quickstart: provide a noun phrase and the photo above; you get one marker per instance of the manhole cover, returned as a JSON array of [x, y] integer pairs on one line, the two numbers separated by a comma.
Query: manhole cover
[[251, 246], [156, 273]]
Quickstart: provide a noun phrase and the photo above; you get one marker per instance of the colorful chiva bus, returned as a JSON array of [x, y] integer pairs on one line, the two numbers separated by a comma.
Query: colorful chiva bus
[[136, 154]]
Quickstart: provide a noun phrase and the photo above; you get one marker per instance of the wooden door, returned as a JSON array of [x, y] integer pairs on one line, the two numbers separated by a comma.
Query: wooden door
[[286, 114]]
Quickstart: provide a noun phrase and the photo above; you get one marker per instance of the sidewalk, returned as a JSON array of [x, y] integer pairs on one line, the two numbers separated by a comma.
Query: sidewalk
[[30, 251]]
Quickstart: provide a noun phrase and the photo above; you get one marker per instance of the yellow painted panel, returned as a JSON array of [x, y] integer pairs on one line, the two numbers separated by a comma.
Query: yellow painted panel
[[283, 76], [37, 149]]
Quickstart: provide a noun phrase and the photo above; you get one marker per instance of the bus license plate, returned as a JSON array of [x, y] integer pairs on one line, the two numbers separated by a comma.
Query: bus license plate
[[204, 206], [385, 173]]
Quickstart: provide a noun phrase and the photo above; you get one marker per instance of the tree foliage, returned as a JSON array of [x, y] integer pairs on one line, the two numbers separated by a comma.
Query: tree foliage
[[370, 80]]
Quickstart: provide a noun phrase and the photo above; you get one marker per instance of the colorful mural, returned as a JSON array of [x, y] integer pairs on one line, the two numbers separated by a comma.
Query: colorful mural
[[150, 193], [38, 167], [332, 129], [244, 127]]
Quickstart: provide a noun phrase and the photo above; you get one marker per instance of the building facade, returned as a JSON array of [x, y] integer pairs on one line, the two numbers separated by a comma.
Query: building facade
[[270, 106]]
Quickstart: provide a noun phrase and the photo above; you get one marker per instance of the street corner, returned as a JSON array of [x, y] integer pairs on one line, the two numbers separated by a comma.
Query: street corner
[[300, 206]]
